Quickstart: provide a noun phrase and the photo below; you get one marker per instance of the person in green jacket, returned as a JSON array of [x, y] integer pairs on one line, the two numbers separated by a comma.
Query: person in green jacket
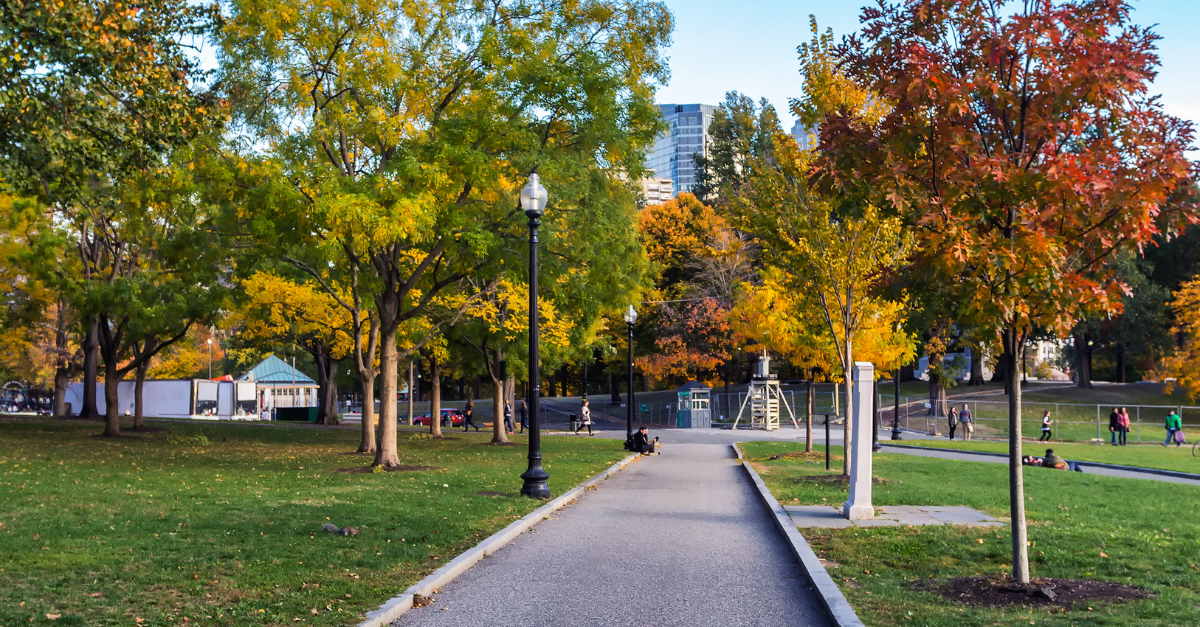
[[1174, 425]]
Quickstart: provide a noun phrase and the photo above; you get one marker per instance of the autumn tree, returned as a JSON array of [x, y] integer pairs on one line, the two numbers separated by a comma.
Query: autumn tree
[[1022, 145], [278, 309], [397, 135], [92, 95]]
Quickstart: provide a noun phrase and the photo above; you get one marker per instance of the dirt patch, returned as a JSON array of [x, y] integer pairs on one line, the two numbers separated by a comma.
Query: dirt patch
[[833, 479], [500, 444], [1064, 593], [123, 436], [486, 493], [357, 470], [815, 456]]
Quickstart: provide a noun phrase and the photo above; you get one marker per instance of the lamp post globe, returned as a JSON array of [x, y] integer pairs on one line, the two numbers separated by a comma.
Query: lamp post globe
[[533, 202], [630, 318]]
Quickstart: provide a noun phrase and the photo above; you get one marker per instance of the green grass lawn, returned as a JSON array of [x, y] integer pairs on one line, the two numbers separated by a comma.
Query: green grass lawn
[[1146, 456], [1141, 532], [153, 528]]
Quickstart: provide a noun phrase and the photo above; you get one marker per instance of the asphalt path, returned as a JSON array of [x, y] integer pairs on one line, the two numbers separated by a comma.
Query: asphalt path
[[675, 539]]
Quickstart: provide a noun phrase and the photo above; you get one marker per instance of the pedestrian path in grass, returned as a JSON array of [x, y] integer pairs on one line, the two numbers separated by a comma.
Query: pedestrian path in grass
[[675, 539], [1090, 468]]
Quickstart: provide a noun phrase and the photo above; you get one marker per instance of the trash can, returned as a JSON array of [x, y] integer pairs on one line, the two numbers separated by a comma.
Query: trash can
[[575, 422]]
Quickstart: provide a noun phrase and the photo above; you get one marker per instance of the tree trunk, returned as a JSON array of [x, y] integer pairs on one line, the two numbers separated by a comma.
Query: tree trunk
[[478, 387], [138, 407], [550, 385], [112, 409], [808, 415], [614, 388], [62, 363], [366, 384], [1120, 364], [1016, 478], [976, 367], [435, 398], [499, 435], [939, 403], [62, 378], [1004, 364], [326, 389], [847, 437], [91, 371], [1083, 359], [386, 454]]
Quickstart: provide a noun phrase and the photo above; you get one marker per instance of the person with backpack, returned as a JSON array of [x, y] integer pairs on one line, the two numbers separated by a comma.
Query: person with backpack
[[1114, 424], [952, 420], [1174, 426], [964, 417]]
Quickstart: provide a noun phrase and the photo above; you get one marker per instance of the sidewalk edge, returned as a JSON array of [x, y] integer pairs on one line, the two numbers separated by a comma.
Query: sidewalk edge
[[837, 608], [396, 606]]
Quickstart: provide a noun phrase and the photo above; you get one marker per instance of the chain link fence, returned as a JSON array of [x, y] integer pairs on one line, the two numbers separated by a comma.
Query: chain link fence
[[1072, 422]]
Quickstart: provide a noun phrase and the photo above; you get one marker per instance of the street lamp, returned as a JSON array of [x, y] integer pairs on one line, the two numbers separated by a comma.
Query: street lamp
[[533, 201], [896, 400], [210, 358], [630, 317]]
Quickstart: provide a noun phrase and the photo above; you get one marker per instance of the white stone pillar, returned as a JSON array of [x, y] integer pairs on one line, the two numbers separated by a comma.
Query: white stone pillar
[[858, 506]]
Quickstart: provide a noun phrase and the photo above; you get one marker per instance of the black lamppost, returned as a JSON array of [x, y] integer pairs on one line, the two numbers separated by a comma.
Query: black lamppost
[[630, 317], [896, 417], [896, 400], [533, 201]]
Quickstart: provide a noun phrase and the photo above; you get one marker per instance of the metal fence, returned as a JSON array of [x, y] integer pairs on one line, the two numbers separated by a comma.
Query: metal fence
[[1072, 422]]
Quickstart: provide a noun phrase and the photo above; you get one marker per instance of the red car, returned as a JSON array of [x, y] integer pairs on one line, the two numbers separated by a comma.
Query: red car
[[451, 417]]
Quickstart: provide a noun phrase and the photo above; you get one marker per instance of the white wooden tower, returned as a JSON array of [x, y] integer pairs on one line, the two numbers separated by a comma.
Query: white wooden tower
[[764, 398]]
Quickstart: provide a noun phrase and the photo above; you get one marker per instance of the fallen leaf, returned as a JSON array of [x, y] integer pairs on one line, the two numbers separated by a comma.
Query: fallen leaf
[[980, 540], [53, 616], [1103, 554]]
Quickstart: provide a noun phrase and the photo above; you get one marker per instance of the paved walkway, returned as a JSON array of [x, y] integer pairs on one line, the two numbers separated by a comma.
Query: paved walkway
[[675, 539], [992, 459]]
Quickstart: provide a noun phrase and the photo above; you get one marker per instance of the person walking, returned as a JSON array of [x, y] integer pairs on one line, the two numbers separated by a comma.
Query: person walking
[[964, 417], [952, 420], [524, 412], [468, 415], [585, 418], [1174, 425], [1114, 424], [1124, 425], [1045, 427], [508, 423]]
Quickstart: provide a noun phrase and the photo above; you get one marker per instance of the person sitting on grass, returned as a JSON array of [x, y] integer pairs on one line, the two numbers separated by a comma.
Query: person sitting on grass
[[642, 442], [1053, 461]]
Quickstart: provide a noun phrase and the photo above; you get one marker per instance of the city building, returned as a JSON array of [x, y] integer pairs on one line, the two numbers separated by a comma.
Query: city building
[[673, 152], [805, 136], [657, 191]]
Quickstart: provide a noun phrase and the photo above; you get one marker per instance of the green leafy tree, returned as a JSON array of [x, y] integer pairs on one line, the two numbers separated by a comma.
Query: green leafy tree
[[92, 95], [396, 137]]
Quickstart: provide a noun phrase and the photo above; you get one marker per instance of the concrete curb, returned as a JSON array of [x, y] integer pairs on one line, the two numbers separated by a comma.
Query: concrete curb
[[1085, 464], [398, 605], [837, 608]]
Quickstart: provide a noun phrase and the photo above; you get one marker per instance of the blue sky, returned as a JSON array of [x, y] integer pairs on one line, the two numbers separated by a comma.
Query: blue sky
[[750, 46]]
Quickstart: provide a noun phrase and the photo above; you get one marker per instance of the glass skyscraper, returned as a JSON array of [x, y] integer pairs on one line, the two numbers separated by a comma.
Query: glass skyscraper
[[687, 136]]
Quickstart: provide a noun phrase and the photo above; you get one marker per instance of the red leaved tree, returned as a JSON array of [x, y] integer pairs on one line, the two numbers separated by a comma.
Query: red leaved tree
[[1023, 147]]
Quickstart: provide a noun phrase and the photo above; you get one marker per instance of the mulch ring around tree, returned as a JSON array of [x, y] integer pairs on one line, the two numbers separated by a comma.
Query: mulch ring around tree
[[370, 469], [1064, 593]]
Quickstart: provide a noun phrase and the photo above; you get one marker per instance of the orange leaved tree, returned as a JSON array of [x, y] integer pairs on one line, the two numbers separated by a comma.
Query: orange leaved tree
[[1022, 145]]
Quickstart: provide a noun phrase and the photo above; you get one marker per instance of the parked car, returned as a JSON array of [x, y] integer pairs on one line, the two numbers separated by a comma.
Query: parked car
[[450, 417]]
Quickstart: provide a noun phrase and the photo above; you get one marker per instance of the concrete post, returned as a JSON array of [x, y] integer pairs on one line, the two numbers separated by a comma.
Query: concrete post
[[858, 507]]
